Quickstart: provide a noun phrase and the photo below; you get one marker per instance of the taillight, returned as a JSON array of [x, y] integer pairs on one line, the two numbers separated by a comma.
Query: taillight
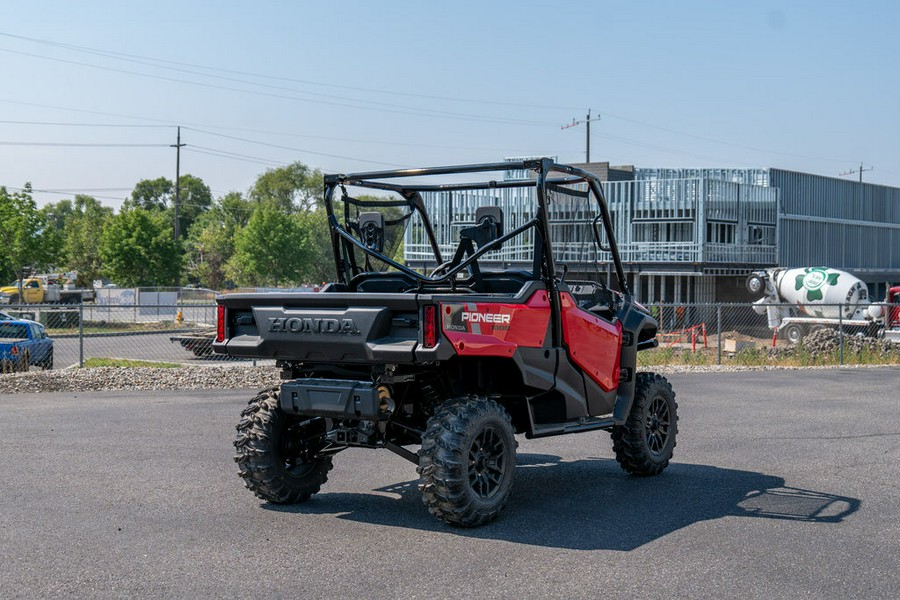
[[15, 350], [220, 324], [429, 326]]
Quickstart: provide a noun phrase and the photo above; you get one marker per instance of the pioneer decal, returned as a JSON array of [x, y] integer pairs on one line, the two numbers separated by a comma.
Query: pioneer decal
[[313, 325], [479, 317]]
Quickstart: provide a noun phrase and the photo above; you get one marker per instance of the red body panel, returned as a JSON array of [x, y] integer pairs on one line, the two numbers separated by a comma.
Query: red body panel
[[594, 344], [496, 329]]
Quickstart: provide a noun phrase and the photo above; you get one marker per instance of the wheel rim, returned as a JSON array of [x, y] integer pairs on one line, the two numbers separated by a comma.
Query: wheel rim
[[487, 462], [793, 334], [658, 426]]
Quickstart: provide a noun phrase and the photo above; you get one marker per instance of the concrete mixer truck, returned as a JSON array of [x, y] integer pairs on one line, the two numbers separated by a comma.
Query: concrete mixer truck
[[800, 301]]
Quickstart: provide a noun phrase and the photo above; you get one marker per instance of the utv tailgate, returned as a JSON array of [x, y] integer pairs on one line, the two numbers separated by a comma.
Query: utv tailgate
[[321, 327]]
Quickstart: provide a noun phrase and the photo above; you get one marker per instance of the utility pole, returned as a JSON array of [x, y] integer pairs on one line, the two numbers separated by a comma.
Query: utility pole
[[177, 147], [860, 171], [587, 123]]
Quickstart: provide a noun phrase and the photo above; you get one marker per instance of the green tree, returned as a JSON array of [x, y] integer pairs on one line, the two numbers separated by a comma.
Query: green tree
[[290, 188], [57, 214], [235, 208], [137, 249], [319, 264], [82, 240], [270, 250], [211, 240], [194, 199], [150, 194], [25, 240]]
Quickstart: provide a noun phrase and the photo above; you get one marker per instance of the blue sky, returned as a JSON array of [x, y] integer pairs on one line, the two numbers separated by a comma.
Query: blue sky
[[350, 86]]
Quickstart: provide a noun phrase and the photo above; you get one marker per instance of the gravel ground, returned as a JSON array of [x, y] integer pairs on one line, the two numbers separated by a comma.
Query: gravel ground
[[138, 378], [239, 377]]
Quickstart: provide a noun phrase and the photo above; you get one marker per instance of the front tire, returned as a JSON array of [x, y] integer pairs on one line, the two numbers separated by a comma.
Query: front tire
[[467, 461], [276, 452], [645, 443]]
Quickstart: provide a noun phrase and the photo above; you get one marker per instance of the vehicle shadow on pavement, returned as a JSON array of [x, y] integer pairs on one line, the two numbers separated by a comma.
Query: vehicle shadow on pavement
[[592, 504]]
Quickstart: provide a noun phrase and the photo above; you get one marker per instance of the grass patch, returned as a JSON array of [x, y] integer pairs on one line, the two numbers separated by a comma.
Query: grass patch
[[124, 362], [798, 356]]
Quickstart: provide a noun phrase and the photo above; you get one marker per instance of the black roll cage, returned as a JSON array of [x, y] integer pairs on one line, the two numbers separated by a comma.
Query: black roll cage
[[342, 240]]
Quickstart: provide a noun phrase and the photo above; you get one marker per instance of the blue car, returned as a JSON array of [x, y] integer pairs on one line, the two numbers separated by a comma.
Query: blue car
[[24, 344]]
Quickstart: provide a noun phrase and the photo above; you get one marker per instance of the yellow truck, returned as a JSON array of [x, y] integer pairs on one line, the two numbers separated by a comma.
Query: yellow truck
[[35, 290]]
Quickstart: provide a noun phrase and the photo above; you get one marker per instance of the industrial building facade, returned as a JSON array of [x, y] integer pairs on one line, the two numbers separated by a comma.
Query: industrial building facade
[[692, 235]]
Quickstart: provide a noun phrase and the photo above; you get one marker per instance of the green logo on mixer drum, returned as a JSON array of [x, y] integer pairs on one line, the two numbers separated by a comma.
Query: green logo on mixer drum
[[814, 279]]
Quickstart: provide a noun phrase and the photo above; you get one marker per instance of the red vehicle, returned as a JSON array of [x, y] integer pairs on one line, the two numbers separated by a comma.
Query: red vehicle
[[456, 356], [892, 315]]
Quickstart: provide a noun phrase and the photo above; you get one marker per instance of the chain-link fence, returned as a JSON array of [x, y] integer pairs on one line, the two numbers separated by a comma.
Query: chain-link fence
[[174, 329], [772, 334]]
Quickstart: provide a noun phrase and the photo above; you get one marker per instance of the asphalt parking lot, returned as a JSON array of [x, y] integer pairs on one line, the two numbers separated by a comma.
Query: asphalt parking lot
[[784, 485]]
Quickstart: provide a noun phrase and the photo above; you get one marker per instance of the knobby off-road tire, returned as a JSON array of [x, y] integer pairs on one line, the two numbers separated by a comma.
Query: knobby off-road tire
[[467, 461], [263, 443], [644, 444]]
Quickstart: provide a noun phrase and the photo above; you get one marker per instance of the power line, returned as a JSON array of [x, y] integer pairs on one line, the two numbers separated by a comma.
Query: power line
[[68, 192], [717, 141], [160, 63], [143, 59], [62, 124], [139, 59], [193, 127], [347, 102], [234, 156], [303, 150], [82, 145], [56, 193], [76, 190], [88, 111]]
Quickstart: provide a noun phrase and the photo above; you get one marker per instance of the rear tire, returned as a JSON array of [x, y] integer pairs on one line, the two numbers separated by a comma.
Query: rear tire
[[467, 461], [793, 333], [47, 364], [274, 456], [645, 443]]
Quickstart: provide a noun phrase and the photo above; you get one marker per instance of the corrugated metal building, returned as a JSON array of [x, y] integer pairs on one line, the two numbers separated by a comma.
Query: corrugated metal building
[[824, 221], [692, 235]]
